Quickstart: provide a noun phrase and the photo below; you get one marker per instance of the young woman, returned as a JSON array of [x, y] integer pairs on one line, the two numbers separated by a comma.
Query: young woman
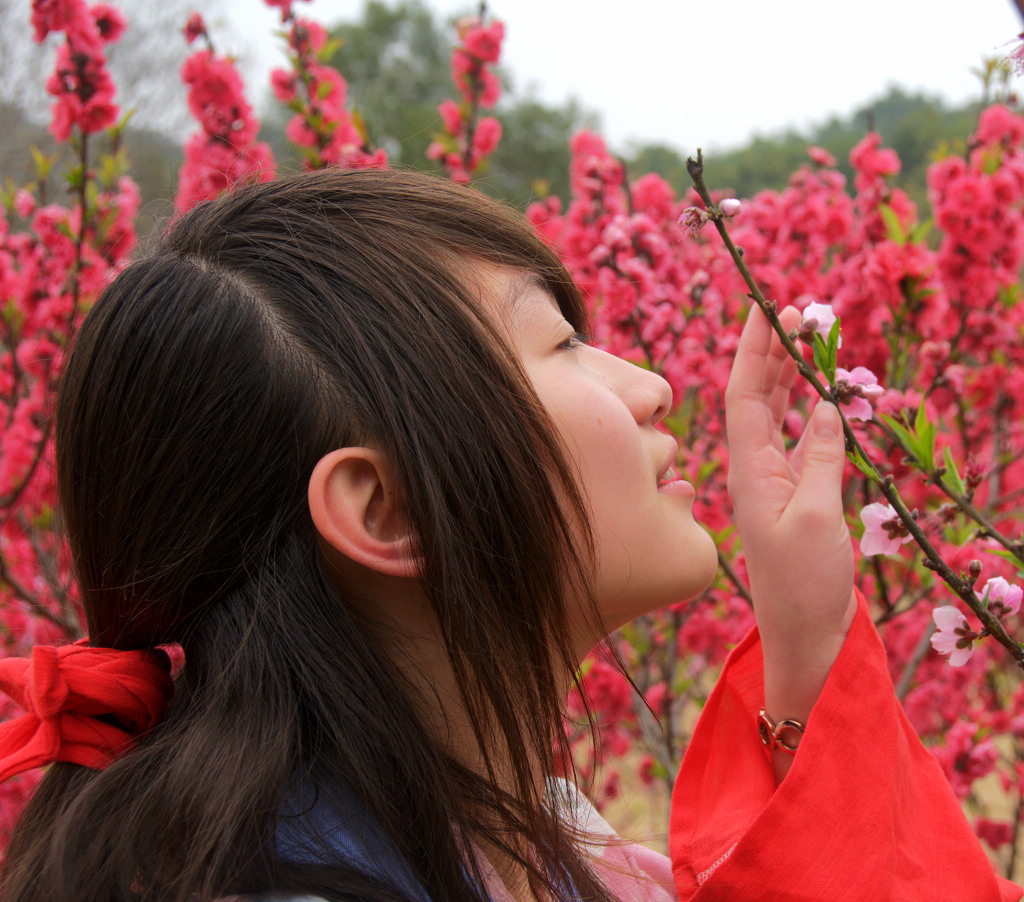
[[338, 438]]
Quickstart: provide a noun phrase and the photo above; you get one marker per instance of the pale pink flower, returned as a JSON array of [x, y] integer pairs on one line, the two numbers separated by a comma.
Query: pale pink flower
[[1016, 59], [855, 390], [24, 203], [693, 219], [1003, 597], [821, 156], [817, 318], [953, 636], [730, 207], [884, 531]]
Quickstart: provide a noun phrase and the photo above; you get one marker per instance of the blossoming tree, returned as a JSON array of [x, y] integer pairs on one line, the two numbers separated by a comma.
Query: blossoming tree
[[923, 315]]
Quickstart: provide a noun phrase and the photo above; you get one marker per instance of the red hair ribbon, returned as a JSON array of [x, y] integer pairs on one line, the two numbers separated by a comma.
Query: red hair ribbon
[[84, 705]]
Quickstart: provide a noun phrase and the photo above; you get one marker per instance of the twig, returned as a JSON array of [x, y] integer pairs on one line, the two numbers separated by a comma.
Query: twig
[[933, 560], [935, 476], [734, 578], [920, 650]]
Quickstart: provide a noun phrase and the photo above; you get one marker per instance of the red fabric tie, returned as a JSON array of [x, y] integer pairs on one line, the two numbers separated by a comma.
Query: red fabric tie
[[65, 691]]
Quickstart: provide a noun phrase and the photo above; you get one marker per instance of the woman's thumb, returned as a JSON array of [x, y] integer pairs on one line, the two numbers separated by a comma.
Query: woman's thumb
[[824, 456]]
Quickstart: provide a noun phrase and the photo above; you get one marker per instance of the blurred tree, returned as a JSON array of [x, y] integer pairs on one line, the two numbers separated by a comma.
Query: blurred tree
[[396, 60], [915, 125], [144, 63]]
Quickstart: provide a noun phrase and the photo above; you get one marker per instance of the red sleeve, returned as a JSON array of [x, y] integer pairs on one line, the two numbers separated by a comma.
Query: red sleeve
[[865, 812]]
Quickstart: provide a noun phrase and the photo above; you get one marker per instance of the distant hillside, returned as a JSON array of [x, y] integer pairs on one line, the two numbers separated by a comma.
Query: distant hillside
[[154, 163], [914, 125]]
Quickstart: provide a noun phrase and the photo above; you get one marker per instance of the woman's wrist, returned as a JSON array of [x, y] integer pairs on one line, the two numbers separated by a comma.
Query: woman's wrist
[[797, 665]]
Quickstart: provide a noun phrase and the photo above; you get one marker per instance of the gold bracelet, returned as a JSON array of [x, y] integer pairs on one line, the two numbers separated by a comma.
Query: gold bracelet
[[771, 733]]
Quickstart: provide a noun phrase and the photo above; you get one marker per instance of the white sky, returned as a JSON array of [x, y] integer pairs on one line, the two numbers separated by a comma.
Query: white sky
[[714, 72]]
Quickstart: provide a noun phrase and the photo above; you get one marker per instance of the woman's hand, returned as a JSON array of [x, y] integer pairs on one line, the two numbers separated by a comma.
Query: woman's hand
[[790, 517]]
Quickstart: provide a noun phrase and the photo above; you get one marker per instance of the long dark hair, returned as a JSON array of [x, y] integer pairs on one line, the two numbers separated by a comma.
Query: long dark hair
[[266, 329]]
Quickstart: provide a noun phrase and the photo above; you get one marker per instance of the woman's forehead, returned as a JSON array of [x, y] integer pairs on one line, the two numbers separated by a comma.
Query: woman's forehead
[[513, 295]]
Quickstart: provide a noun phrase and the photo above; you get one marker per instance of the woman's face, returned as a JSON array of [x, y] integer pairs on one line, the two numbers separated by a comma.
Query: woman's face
[[651, 552]]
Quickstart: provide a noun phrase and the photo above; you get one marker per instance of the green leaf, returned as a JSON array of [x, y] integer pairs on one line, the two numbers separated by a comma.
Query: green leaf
[[908, 437], [75, 176], [1006, 555], [893, 227], [360, 125], [1008, 296], [832, 348], [952, 474], [329, 49], [825, 362], [918, 235], [707, 469], [925, 430], [43, 163], [861, 463], [14, 318]]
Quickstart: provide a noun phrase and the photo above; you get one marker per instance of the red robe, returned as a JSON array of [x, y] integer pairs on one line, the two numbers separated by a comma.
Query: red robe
[[865, 814]]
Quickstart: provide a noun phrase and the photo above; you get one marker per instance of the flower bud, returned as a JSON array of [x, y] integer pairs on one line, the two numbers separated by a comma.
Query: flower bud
[[730, 207], [871, 392]]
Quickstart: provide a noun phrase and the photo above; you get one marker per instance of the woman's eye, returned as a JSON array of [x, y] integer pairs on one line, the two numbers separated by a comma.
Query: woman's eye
[[576, 340]]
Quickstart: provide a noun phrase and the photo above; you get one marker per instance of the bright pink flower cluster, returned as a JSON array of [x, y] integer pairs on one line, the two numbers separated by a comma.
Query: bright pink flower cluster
[[224, 151], [80, 81], [323, 127], [468, 138], [53, 261], [976, 203]]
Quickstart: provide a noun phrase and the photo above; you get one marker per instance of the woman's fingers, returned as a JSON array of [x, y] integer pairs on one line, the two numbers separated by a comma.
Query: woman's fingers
[[756, 402]]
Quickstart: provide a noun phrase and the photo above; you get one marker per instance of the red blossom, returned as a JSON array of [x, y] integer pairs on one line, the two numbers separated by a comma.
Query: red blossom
[[194, 28], [224, 152], [109, 22]]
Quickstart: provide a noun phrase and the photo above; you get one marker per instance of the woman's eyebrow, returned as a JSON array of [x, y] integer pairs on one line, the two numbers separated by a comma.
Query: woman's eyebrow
[[520, 288]]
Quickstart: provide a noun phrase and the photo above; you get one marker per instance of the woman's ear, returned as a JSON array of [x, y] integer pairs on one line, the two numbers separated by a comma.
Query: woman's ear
[[356, 508]]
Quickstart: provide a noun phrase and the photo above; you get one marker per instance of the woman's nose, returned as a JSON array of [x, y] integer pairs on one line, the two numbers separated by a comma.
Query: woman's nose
[[647, 395]]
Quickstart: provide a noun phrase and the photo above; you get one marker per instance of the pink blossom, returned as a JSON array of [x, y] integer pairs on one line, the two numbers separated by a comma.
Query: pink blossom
[[817, 318], [283, 84], [1003, 597], [821, 156], [195, 27], [995, 833], [83, 88], [308, 36], [109, 21], [484, 43], [884, 532], [1016, 58], [486, 136], [953, 635], [224, 152], [730, 206], [57, 15], [451, 116], [24, 203], [692, 219], [284, 5], [855, 390]]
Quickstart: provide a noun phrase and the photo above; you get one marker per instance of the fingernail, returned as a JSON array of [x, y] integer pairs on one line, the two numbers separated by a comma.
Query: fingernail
[[826, 420]]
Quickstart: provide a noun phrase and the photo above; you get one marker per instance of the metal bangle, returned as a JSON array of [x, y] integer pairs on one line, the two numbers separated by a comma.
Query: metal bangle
[[771, 733]]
